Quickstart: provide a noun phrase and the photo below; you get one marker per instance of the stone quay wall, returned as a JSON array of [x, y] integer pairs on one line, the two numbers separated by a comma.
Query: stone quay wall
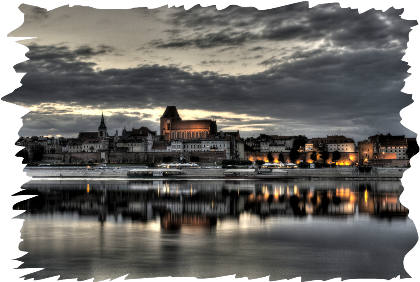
[[147, 158], [315, 174]]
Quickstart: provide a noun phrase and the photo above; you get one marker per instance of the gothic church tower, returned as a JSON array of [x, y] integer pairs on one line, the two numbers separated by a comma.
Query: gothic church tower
[[102, 128]]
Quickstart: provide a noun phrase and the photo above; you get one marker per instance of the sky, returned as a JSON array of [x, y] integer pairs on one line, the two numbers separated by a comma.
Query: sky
[[290, 70]]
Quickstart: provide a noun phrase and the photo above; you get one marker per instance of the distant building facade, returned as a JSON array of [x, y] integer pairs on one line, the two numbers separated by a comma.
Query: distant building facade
[[331, 143], [173, 127]]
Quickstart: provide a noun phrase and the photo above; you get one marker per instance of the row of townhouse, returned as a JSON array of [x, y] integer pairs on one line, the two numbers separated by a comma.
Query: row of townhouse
[[49, 144], [143, 141], [331, 143], [273, 143], [229, 143]]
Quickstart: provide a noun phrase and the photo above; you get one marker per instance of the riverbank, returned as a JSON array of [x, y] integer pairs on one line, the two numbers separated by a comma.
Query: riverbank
[[215, 173]]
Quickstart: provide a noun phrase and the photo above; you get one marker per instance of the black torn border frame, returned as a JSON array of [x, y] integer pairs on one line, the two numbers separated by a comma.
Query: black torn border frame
[[11, 115]]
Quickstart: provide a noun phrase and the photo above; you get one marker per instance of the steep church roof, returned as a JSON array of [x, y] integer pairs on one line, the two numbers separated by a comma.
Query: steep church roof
[[171, 112], [87, 135]]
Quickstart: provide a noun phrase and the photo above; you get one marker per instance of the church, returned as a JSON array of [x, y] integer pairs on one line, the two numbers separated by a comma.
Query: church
[[173, 127]]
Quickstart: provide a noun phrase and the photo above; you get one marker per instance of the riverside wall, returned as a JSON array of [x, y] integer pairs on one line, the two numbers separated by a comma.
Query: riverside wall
[[134, 157], [316, 174]]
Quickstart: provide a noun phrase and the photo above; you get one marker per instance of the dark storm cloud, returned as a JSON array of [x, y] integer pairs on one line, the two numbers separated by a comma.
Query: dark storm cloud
[[249, 58], [37, 14], [335, 89], [256, 48], [172, 32], [224, 37], [302, 54], [341, 27], [69, 125], [146, 116], [85, 51], [227, 49], [215, 62], [226, 119]]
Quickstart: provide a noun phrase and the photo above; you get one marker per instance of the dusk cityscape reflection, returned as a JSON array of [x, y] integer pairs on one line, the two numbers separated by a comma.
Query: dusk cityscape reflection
[[184, 200], [156, 223]]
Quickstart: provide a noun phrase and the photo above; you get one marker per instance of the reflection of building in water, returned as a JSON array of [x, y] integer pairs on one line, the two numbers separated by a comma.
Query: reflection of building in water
[[184, 204], [175, 221]]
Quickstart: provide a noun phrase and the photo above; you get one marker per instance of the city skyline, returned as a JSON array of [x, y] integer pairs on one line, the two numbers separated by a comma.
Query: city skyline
[[289, 70]]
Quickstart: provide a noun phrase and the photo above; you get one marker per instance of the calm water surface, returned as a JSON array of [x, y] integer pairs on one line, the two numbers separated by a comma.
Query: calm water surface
[[202, 228]]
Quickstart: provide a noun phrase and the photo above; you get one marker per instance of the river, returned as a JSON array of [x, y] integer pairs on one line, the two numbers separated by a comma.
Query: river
[[211, 228]]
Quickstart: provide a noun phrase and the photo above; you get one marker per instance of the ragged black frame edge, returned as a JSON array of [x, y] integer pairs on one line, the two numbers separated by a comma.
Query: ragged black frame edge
[[11, 117]]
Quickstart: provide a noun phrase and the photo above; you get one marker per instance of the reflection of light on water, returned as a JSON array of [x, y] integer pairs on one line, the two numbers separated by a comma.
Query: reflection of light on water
[[366, 196], [87, 189]]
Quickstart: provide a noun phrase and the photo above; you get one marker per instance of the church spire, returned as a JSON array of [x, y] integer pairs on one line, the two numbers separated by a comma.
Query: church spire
[[102, 128], [102, 125]]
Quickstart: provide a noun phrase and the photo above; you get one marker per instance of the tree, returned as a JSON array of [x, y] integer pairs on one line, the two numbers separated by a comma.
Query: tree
[[325, 155], [248, 148], [281, 157], [412, 148], [314, 156], [37, 153], [336, 156], [299, 142], [270, 157], [264, 136], [303, 165], [293, 155], [259, 162], [23, 154]]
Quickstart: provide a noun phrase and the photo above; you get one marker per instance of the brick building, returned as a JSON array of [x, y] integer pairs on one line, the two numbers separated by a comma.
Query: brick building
[[173, 127]]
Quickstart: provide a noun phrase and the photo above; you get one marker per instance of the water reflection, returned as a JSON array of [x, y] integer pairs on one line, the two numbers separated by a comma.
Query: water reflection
[[201, 203]]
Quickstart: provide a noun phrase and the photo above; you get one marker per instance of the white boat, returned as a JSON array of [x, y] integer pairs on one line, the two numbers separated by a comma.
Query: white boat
[[179, 165]]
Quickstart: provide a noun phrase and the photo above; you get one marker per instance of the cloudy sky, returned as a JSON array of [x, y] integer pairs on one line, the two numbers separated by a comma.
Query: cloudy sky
[[289, 70]]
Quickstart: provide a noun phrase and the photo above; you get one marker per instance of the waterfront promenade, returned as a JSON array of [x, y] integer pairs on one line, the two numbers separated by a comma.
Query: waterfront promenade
[[214, 173]]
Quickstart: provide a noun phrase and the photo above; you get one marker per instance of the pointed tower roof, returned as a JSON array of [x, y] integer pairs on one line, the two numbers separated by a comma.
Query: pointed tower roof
[[171, 112], [102, 125]]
